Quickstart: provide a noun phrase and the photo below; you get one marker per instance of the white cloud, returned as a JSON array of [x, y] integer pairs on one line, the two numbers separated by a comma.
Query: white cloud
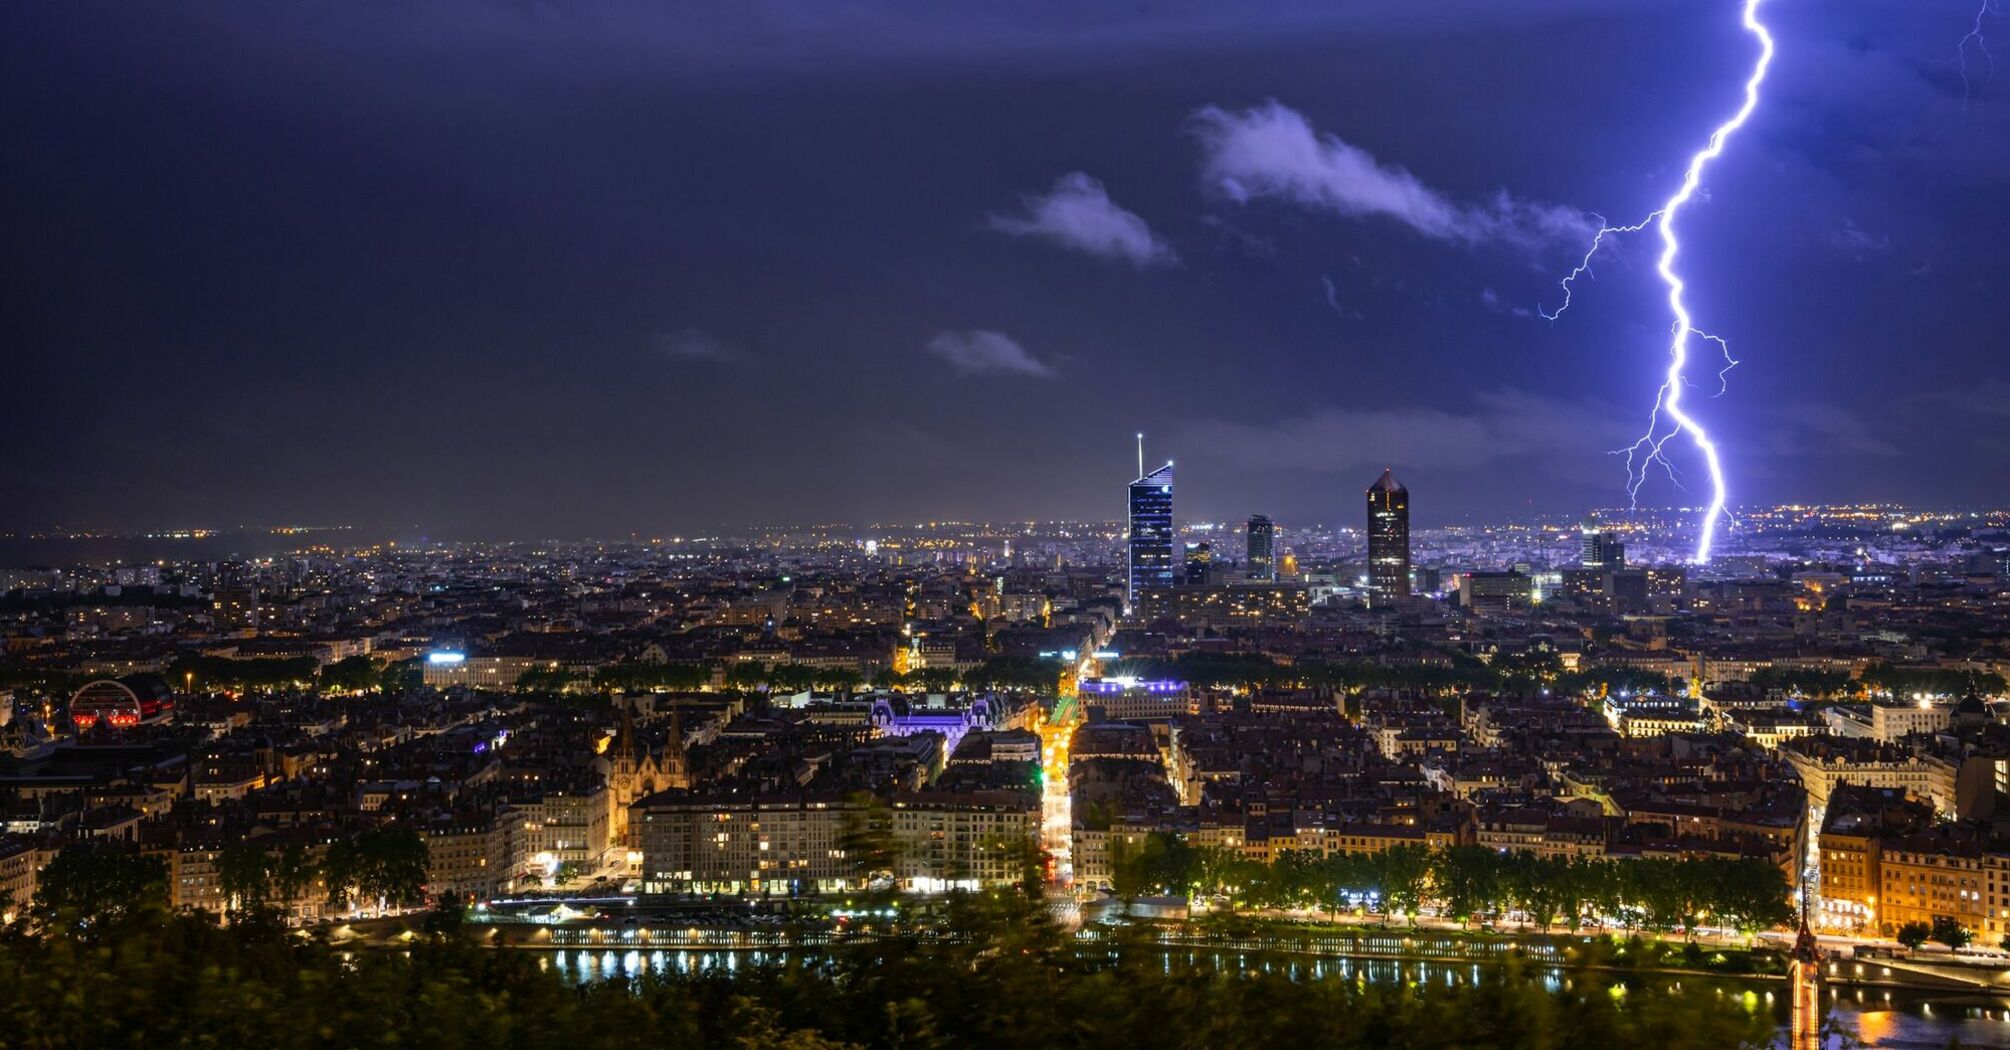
[[1079, 214], [1333, 298], [690, 344], [1272, 151], [1858, 243], [1495, 304], [980, 352]]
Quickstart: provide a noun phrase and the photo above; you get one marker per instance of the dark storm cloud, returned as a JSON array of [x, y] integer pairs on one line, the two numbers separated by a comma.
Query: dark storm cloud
[[345, 262], [1500, 427]]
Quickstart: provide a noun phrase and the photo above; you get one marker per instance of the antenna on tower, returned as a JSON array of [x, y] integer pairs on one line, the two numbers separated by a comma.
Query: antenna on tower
[[1141, 454]]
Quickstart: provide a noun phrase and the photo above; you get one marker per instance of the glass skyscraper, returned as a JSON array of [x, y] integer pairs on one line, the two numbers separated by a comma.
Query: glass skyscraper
[[1199, 564], [1388, 538], [1602, 550], [1151, 534], [1262, 548]]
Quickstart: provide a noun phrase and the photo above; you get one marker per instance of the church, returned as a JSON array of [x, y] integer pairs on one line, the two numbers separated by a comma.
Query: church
[[634, 772]]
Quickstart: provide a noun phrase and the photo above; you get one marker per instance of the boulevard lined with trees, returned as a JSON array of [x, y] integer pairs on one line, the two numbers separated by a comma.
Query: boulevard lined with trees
[[1465, 884]]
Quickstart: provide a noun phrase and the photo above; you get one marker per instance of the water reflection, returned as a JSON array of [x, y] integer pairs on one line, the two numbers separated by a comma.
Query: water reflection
[[1876, 1018]]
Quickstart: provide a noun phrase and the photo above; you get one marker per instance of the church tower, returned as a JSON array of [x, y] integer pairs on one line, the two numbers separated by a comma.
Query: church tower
[[634, 773]]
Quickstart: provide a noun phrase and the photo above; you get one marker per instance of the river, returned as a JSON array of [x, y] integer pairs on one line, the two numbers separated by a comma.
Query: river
[[1885, 1020]]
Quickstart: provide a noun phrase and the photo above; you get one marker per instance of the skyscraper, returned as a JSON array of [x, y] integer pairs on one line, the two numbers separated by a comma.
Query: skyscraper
[[1602, 550], [1388, 538], [1151, 533], [1199, 564], [1262, 548]]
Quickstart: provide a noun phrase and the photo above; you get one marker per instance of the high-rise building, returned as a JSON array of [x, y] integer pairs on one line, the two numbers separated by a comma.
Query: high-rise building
[[1151, 533], [234, 607], [1388, 538], [1199, 564], [1602, 549], [1262, 548]]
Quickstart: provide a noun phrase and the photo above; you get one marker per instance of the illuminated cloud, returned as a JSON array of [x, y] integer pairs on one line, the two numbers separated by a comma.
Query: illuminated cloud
[[1078, 214], [1495, 304], [1271, 151], [978, 352], [690, 344]]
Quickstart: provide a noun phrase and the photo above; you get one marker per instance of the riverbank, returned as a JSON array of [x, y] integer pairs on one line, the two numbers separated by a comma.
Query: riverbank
[[1609, 952]]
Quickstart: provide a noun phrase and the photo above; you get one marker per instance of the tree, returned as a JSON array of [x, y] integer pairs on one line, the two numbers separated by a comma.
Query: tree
[[353, 674], [395, 864], [292, 873], [219, 672], [94, 890], [402, 677], [838, 679], [868, 842], [1914, 935], [996, 972], [1160, 863], [935, 679], [1948, 931], [386, 865], [1749, 894], [549, 680], [447, 919], [1464, 878], [245, 876], [747, 676], [1400, 874]]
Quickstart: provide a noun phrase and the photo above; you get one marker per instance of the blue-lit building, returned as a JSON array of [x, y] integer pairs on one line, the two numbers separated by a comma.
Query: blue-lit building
[[1151, 534]]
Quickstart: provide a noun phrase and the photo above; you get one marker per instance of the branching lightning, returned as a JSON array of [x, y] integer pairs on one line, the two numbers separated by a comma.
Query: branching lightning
[[1668, 419], [1976, 39]]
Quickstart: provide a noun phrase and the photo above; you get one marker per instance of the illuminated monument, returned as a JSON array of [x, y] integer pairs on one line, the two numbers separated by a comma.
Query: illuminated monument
[[1388, 539], [1804, 978]]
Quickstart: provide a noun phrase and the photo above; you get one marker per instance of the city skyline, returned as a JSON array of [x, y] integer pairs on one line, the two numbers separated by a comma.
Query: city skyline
[[594, 523]]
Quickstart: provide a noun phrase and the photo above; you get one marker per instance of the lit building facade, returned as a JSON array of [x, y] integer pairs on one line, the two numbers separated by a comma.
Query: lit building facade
[[1601, 549], [1199, 564], [1151, 534], [1262, 548], [794, 845]]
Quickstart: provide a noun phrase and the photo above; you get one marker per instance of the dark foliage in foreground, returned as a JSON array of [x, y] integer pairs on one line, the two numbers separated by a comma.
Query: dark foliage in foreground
[[1006, 979]]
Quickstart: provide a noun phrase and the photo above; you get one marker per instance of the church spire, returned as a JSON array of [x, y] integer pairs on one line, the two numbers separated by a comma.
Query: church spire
[[624, 739]]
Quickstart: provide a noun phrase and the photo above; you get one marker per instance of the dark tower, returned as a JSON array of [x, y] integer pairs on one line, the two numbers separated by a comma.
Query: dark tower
[[1199, 564], [1388, 538], [1262, 549]]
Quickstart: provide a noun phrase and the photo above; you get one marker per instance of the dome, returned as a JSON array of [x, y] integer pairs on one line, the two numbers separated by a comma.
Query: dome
[[121, 702]]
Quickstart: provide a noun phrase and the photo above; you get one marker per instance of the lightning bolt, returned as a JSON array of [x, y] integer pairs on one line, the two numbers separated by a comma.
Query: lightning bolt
[[1668, 419], [1981, 44]]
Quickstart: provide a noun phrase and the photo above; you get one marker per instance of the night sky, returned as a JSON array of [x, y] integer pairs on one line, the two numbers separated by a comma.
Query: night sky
[[523, 269]]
